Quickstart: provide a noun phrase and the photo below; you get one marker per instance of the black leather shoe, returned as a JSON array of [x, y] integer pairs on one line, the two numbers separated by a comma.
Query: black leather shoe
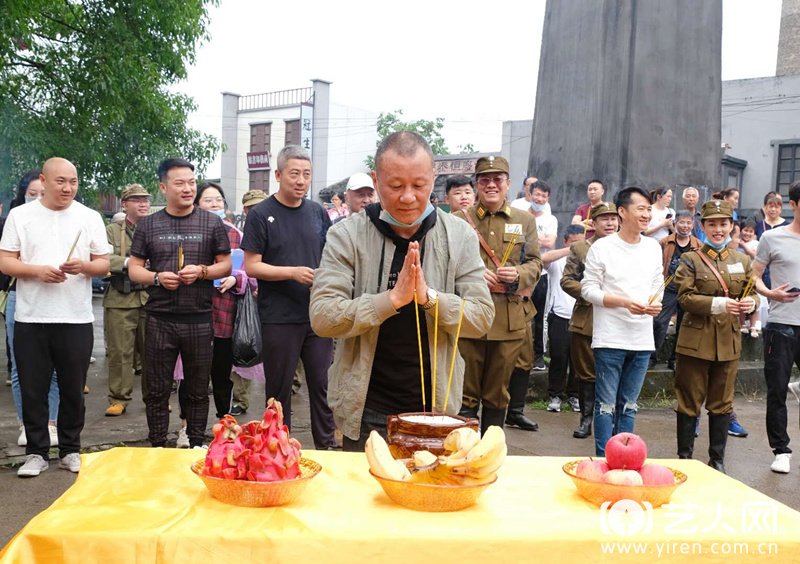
[[671, 365], [518, 420], [238, 410]]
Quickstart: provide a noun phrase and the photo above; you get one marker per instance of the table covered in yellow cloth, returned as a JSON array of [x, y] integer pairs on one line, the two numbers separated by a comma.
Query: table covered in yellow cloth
[[145, 505]]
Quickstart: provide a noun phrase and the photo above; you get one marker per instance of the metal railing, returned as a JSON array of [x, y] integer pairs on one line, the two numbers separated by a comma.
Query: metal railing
[[277, 99]]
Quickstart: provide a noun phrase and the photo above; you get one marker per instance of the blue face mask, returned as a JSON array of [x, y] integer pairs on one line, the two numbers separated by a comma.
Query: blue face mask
[[721, 245], [538, 207], [387, 217], [219, 213], [29, 199]]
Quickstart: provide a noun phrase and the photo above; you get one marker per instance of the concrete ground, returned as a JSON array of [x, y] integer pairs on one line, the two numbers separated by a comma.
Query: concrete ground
[[747, 459]]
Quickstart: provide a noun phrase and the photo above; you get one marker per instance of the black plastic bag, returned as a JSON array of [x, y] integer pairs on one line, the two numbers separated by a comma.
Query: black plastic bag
[[246, 341]]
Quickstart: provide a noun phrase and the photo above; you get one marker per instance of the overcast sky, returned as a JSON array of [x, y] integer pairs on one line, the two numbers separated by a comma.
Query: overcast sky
[[473, 63]]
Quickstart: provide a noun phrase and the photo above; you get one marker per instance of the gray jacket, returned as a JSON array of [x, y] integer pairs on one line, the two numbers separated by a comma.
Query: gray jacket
[[350, 301]]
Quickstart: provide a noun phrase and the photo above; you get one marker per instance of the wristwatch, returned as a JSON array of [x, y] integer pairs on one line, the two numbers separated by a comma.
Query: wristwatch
[[155, 279], [433, 297]]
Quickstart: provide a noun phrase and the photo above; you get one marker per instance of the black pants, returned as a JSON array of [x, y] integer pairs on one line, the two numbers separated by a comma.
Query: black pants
[[669, 306], [539, 299], [164, 340], [283, 345], [221, 365], [560, 372], [781, 350], [371, 420], [39, 348]]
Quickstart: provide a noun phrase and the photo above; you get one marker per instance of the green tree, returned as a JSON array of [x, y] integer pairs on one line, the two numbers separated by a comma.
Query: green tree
[[431, 131], [89, 81]]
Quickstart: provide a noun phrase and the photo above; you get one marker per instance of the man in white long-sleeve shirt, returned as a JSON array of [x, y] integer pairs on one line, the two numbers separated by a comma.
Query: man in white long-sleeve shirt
[[623, 274]]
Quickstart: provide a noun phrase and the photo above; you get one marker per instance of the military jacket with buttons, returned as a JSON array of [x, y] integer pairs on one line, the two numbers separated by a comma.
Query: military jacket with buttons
[[500, 229], [581, 320], [121, 292], [703, 335]]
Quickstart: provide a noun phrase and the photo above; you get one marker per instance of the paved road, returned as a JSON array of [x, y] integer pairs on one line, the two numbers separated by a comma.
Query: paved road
[[747, 460]]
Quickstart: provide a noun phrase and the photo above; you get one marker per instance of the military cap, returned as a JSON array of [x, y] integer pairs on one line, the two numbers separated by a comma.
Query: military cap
[[253, 197], [491, 164], [717, 209], [132, 190], [602, 208]]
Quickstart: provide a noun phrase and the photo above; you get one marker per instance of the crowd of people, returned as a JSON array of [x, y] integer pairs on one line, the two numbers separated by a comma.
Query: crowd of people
[[368, 294]]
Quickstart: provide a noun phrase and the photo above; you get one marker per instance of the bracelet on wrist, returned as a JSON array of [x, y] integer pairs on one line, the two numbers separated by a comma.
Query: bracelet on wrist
[[203, 272]]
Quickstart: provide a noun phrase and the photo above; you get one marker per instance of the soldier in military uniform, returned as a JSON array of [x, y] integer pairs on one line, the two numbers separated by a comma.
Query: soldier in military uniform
[[606, 222], [710, 283], [503, 232], [123, 303]]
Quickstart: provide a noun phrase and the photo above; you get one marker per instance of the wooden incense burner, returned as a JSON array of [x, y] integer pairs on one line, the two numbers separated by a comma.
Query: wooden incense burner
[[410, 432]]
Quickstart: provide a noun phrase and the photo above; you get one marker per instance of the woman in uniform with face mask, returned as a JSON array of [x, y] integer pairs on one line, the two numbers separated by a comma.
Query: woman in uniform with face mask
[[712, 283]]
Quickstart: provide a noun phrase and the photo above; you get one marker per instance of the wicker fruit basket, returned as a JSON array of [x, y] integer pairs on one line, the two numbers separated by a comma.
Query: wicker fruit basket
[[245, 493]]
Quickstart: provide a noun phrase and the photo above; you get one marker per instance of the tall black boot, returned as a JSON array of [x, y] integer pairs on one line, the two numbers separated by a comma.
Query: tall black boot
[[685, 432], [491, 417], [586, 399], [717, 439], [518, 390]]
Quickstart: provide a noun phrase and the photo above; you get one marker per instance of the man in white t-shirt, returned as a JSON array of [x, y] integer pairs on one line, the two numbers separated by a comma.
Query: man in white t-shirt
[[778, 251], [547, 230], [524, 203], [54, 246], [622, 277]]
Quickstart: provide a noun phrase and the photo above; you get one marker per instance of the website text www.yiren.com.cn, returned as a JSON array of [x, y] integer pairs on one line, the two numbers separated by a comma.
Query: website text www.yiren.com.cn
[[659, 549]]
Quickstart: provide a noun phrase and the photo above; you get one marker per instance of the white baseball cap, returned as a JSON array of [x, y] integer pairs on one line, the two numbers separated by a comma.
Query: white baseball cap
[[360, 180]]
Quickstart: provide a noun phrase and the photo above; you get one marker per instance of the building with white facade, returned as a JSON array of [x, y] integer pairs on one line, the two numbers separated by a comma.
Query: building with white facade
[[256, 127]]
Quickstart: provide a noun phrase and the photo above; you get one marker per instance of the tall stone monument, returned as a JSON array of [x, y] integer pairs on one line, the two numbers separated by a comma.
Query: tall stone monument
[[629, 92]]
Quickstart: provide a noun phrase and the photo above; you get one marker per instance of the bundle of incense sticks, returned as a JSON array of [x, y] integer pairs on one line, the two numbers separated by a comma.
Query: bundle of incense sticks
[[509, 248], [661, 288], [180, 256], [751, 283], [74, 244]]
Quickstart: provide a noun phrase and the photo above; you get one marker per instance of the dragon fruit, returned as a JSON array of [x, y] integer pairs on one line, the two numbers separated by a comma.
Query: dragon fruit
[[226, 457], [259, 451]]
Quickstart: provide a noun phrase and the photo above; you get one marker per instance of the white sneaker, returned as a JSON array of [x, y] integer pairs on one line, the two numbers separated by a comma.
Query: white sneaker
[[34, 465], [794, 387], [183, 438], [200, 447], [782, 463], [23, 438], [555, 404], [71, 462], [53, 435]]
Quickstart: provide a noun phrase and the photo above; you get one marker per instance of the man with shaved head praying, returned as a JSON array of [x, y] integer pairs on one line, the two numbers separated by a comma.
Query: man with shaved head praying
[[53, 246]]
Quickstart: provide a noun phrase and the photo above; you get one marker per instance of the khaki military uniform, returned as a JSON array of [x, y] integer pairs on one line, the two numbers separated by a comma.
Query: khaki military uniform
[[580, 324], [490, 360], [124, 316], [708, 346]]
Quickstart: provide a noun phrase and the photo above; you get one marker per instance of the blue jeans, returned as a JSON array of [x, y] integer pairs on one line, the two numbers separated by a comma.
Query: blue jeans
[[52, 396], [620, 375]]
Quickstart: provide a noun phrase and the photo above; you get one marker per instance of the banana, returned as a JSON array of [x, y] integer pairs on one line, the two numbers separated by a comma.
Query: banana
[[490, 452], [381, 461], [423, 458], [460, 441]]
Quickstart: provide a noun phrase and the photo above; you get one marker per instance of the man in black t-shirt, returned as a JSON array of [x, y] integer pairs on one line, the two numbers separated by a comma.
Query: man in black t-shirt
[[283, 240], [187, 249]]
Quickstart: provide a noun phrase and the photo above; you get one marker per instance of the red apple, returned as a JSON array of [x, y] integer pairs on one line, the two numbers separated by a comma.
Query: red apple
[[625, 451], [623, 477], [656, 475], [591, 470]]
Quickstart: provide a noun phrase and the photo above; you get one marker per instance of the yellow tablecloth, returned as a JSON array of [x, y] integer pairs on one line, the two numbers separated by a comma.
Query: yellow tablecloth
[[145, 505]]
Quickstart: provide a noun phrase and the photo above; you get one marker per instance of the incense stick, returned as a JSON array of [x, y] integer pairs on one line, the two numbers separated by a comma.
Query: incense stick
[[180, 255], [419, 344], [435, 350], [661, 288], [455, 352], [74, 244], [751, 282], [509, 248]]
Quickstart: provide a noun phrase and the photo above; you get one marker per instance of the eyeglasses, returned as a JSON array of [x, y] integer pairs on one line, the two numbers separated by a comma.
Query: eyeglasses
[[486, 180], [213, 200]]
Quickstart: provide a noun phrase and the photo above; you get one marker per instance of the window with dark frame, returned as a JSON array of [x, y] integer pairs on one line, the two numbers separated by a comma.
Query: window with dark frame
[[260, 140], [788, 167], [292, 132]]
